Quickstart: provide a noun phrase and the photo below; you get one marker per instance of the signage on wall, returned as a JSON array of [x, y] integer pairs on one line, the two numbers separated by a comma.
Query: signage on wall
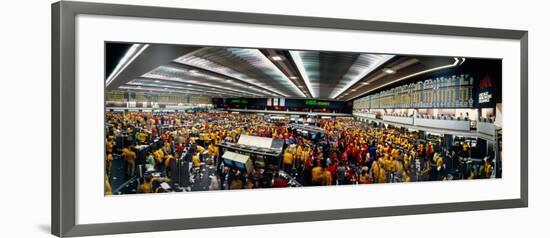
[[485, 97], [238, 101], [450, 91], [486, 92], [317, 103]]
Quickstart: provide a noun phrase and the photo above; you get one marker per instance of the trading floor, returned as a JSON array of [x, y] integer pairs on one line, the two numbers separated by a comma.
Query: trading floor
[[185, 118], [196, 151]]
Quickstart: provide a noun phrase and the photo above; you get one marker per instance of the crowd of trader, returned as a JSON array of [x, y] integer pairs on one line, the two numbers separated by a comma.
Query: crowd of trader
[[349, 152]]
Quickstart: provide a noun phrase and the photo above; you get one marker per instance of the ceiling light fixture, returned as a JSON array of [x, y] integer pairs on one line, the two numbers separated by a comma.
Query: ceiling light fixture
[[252, 56], [178, 75], [389, 71], [363, 66], [129, 89], [303, 72], [365, 83], [131, 54], [276, 58]]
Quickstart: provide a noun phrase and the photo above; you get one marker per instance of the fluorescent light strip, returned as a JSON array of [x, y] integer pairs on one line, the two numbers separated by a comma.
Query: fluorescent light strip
[[178, 87], [218, 87], [300, 64], [164, 90], [128, 58], [362, 59], [260, 61], [256, 88], [158, 73], [416, 74], [202, 63], [263, 63]]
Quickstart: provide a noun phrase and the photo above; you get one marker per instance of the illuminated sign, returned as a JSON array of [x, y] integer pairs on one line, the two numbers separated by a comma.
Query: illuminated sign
[[485, 97], [486, 91], [239, 101], [317, 103]]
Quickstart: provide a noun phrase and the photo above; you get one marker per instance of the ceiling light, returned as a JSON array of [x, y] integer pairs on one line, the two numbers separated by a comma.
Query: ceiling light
[[389, 71], [293, 77], [297, 57], [363, 66], [228, 80], [176, 75], [365, 83], [194, 71], [252, 56], [276, 58], [157, 81], [131, 54]]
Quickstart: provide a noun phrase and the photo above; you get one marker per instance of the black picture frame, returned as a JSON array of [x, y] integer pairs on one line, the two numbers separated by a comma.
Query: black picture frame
[[64, 107]]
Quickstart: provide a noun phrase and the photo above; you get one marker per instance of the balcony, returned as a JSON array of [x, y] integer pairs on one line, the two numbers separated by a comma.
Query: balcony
[[449, 123], [402, 119]]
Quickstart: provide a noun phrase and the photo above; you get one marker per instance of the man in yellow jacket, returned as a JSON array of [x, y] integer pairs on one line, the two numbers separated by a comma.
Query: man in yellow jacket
[[196, 161], [130, 157], [108, 189], [317, 177], [288, 160]]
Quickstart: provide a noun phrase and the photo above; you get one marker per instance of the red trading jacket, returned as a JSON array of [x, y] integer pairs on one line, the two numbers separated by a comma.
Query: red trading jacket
[[344, 156], [280, 183], [332, 169]]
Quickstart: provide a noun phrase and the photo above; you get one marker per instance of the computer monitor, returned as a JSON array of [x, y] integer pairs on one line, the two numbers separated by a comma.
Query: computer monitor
[[228, 162], [239, 166]]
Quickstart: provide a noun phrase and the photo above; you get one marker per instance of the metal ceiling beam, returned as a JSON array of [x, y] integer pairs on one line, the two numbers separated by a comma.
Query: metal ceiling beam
[[162, 90], [241, 84], [288, 67], [152, 57], [184, 81], [185, 86], [251, 85]]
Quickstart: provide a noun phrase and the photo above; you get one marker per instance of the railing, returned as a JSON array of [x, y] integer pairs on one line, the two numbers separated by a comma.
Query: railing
[[486, 127], [399, 119], [452, 124], [365, 114]]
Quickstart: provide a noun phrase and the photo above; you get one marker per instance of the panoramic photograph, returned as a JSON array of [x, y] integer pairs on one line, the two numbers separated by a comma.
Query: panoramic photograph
[[186, 118]]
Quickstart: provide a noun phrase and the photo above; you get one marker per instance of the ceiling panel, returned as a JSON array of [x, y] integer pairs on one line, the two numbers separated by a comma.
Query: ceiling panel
[[246, 65], [266, 73]]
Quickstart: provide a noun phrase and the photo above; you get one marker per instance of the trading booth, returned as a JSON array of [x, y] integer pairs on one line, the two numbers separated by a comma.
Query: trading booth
[[262, 152], [238, 161], [311, 132]]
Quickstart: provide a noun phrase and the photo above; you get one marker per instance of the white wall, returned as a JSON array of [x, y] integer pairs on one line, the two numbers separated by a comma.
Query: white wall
[[25, 64]]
